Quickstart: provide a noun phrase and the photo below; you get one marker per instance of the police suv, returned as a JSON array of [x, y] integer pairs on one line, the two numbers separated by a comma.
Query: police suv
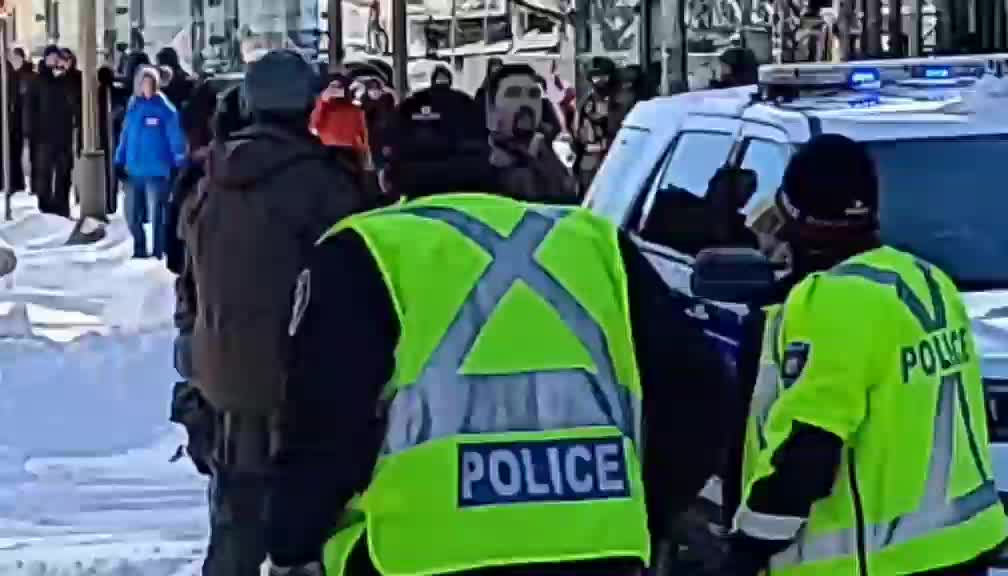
[[937, 129]]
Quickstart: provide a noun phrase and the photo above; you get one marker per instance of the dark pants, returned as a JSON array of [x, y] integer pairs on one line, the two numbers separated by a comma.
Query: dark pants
[[52, 172], [238, 497]]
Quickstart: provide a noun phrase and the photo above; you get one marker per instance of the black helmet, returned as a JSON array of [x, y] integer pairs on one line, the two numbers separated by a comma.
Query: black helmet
[[281, 82], [601, 66], [743, 65], [829, 187]]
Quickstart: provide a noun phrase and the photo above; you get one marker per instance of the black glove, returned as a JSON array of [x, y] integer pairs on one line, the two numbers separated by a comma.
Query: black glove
[[747, 556]]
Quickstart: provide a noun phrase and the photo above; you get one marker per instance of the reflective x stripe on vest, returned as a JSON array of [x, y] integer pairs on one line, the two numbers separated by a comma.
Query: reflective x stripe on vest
[[936, 511], [445, 402]]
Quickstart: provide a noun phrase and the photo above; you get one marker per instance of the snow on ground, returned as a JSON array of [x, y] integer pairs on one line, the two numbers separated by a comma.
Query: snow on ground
[[86, 486]]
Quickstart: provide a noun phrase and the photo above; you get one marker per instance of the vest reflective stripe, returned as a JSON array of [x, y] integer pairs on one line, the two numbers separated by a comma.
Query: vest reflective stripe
[[767, 526], [887, 277], [936, 511], [443, 402], [767, 387]]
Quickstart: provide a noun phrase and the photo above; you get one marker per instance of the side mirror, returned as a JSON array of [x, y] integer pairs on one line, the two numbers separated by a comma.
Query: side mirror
[[40, 17], [217, 40], [732, 186], [122, 10], [737, 275]]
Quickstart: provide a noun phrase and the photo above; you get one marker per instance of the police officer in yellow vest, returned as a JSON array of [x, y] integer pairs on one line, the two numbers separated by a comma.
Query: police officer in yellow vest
[[868, 441], [485, 386]]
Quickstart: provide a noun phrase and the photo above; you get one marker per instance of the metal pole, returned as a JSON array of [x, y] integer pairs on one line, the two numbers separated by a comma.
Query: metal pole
[[451, 33], [334, 13], [136, 19], [5, 118], [872, 38], [486, 24], [896, 28], [91, 168], [109, 38], [400, 56], [197, 38]]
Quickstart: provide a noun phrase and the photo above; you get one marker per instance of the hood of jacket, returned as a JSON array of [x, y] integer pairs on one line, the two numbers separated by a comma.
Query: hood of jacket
[[146, 72], [258, 153]]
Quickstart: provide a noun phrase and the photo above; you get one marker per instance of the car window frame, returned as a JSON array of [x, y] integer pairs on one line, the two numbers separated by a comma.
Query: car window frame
[[662, 167], [745, 141]]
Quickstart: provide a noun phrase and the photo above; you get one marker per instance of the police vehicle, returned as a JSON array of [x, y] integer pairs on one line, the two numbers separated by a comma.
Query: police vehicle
[[937, 128]]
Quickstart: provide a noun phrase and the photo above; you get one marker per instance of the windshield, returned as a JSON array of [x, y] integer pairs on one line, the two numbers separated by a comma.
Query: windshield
[[943, 199]]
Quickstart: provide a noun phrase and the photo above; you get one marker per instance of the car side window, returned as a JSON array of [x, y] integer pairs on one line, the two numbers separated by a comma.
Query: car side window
[[769, 160], [680, 214]]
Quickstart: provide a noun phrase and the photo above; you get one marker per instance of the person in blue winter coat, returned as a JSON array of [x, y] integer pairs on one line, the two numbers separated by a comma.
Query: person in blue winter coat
[[151, 147]]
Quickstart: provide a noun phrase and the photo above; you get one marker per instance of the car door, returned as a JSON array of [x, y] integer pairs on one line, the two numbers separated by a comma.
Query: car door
[[671, 227]]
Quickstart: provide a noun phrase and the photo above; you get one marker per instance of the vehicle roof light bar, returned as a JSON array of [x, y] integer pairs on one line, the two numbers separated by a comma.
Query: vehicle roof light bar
[[872, 74]]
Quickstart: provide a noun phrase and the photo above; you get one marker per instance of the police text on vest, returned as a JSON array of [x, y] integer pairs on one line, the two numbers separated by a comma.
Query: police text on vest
[[938, 352], [542, 471]]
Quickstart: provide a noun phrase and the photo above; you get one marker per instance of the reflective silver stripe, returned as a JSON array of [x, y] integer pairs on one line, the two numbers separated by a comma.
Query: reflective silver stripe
[[767, 526], [903, 291], [443, 402], [766, 391], [935, 511]]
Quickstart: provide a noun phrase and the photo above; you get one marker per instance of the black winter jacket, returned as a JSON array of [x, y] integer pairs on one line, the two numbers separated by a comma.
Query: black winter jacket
[[268, 195], [53, 110]]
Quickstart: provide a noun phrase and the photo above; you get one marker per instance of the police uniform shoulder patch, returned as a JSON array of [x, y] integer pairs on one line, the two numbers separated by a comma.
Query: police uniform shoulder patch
[[793, 362], [302, 296]]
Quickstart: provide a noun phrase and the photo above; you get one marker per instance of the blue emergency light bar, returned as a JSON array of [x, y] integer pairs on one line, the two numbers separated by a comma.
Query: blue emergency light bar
[[873, 75], [865, 79]]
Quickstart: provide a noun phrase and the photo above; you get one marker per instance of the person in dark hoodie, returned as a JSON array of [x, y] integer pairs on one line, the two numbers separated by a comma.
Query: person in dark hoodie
[[270, 191], [181, 86], [469, 416], [53, 110]]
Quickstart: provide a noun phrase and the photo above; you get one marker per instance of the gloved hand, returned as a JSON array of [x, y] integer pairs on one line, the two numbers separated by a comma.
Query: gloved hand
[[312, 569], [120, 172]]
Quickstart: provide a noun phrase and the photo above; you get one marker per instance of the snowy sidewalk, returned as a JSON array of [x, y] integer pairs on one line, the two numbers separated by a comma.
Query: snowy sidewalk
[[85, 383]]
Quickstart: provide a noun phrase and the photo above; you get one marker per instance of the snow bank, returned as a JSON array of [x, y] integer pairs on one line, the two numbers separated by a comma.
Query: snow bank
[[86, 486], [99, 280]]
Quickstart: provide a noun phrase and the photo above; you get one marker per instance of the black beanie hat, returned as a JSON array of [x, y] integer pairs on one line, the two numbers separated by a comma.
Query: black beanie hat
[[52, 49], [831, 183], [281, 82]]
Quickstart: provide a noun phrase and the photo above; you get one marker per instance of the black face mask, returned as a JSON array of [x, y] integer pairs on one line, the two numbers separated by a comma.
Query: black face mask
[[524, 123]]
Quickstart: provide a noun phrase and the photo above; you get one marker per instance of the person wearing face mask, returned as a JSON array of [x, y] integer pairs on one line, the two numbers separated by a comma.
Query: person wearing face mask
[[593, 132], [53, 110], [840, 475], [499, 365], [526, 166]]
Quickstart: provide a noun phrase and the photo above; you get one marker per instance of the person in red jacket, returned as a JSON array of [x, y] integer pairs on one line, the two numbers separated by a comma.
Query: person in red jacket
[[338, 120]]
